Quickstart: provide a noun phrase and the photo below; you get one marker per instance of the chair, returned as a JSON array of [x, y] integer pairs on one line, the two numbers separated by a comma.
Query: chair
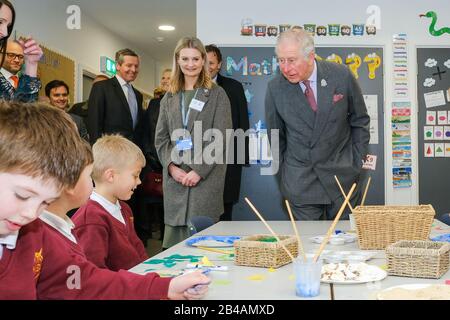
[[199, 223]]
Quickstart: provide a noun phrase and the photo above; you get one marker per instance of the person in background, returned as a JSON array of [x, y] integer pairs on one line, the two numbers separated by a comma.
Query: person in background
[[57, 92], [28, 86], [13, 63], [81, 108], [104, 225], [323, 128], [239, 115], [191, 188]]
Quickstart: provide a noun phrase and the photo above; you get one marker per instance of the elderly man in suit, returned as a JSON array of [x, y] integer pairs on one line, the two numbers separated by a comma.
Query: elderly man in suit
[[323, 125], [239, 116], [115, 106]]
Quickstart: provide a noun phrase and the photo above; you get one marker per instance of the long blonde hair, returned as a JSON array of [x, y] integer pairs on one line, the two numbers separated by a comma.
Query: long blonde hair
[[177, 78]]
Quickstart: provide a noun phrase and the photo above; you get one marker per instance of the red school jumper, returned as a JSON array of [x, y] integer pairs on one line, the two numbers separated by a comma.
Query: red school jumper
[[67, 274], [106, 241], [20, 267]]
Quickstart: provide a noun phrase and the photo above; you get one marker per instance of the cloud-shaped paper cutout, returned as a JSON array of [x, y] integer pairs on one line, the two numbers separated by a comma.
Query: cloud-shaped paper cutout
[[429, 82], [430, 63], [447, 63]]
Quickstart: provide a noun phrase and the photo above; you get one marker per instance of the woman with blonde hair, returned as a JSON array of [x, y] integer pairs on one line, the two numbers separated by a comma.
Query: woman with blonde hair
[[190, 142]]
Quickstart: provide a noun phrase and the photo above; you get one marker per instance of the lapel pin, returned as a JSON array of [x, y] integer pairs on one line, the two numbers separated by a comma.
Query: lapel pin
[[323, 83]]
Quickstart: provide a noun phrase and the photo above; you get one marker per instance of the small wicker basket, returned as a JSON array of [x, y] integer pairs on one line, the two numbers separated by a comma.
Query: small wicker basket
[[418, 259], [380, 226], [251, 251]]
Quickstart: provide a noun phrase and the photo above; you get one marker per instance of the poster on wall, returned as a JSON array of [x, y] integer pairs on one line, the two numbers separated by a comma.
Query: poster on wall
[[400, 63], [401, 145]]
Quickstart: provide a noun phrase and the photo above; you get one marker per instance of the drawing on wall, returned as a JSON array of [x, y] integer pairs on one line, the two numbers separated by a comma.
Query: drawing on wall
[[432, 28]]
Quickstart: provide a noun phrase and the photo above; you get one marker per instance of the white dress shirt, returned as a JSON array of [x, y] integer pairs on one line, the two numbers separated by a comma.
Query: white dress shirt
[[8, 241], [312, 81], [123, 85], [7, 75], [113, 209], [64, 226]]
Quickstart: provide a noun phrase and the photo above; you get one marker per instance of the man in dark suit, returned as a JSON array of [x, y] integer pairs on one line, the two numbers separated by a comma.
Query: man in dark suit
[[115, 106], [323, 124], [239, 114]]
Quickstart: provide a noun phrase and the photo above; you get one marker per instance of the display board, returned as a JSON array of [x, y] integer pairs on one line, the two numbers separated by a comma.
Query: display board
[[254, 67], [433, 90]]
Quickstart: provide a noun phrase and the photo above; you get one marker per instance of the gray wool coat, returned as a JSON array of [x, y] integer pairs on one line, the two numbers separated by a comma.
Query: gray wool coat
[[314, 147], [206, 198]]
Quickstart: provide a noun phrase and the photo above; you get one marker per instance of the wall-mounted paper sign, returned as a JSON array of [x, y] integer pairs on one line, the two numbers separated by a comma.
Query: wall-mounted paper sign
[[431, 118], [434, 99], [429, 150], [370, 163], [439, 150], [438, 133], [428, 133], [442, 117], [447, 149]]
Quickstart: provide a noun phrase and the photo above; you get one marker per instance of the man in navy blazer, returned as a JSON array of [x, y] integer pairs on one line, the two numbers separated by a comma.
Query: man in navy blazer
[[115, 106], [323, 124]]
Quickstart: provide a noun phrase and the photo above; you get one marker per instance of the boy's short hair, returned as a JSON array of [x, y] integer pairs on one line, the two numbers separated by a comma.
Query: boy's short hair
[[40, 141], [114, 151]]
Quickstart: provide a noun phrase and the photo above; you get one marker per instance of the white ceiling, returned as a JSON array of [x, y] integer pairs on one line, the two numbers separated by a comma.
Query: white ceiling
[[137, 21]]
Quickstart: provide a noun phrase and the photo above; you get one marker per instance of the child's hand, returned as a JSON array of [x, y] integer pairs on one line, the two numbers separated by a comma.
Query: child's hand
[[190, 286]]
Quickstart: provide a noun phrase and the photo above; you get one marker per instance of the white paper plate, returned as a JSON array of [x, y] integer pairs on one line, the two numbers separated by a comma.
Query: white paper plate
[[369, 274], [413, 287]]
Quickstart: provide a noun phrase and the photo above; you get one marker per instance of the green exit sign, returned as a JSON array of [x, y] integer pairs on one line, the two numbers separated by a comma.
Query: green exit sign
[[108, 66]]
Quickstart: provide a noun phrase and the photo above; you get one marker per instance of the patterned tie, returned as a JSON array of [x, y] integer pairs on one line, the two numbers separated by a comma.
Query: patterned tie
[[132, 103], [15, 80], [309, 93]]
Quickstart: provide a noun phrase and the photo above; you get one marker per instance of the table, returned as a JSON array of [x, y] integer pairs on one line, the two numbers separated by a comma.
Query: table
[[279, 285]]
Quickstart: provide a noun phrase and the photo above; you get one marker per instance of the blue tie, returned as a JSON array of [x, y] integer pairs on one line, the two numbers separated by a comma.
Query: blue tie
[[132, 102]]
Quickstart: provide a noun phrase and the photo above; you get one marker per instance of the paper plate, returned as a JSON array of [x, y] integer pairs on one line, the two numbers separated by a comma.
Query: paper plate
[[212, 241], [442, 237], [368, 273], [420, 291]]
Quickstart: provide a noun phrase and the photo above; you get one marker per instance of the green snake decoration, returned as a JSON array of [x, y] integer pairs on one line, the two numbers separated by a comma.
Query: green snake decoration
[[433, 32]]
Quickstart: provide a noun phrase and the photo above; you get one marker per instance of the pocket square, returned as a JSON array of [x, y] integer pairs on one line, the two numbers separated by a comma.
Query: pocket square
[[337, 98]]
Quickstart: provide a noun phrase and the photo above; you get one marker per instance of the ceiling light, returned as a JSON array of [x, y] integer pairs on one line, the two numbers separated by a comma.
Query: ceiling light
[[166, 28]]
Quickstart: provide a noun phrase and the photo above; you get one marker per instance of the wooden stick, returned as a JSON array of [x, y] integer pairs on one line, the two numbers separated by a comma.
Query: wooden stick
[[300, 246], [213, 250], [343, 192], [365, 192], [333, 225], [269, 228], [331, 291]]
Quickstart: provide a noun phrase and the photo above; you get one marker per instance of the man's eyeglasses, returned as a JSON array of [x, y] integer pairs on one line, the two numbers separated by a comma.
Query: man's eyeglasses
[[12, 56]]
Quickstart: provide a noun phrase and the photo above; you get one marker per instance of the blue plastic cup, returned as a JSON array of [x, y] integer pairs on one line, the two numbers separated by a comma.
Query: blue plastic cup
[[307, 277]]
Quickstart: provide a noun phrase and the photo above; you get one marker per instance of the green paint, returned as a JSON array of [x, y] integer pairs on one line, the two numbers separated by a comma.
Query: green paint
[[221, 282], [431, 29], [268, 239], [172, 260]]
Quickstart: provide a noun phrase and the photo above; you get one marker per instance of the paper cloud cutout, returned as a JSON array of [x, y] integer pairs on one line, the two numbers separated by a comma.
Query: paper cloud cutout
[[447, 63], [430, 63], [429, 82]]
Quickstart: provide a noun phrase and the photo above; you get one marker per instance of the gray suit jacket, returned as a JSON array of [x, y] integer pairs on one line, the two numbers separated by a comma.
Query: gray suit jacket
[[316, 146], [180, 202]]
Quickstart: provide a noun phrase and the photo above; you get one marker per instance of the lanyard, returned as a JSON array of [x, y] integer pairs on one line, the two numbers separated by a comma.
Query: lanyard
[[184, 115]]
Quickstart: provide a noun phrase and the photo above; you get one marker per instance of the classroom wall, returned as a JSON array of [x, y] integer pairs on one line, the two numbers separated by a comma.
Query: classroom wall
[[45, 20], [401, 16]]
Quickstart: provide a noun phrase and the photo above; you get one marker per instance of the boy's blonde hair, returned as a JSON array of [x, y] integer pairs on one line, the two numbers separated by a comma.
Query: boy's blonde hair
[[41, 141], [116, 152]]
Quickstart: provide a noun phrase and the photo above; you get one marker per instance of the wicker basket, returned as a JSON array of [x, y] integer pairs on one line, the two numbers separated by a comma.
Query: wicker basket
[[380, 226], [250, 251], [418, 259]]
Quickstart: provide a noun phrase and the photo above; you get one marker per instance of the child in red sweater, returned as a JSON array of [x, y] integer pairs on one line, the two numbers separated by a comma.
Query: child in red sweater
[[38, 157], [104, 225], [67, 274]]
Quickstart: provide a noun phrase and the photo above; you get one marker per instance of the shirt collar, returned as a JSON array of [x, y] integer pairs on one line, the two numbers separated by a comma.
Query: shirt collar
[[6, 73], [215, 78], [313, 76], [9, 240], [64, 226], [121, 81], [113, 209]]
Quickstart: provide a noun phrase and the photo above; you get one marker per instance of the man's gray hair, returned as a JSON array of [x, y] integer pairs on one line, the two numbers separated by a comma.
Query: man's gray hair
[[124, 52], [299, 36]]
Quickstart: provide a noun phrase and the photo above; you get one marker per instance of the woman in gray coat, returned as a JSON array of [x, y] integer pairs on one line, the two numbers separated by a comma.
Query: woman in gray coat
[[191, 141]]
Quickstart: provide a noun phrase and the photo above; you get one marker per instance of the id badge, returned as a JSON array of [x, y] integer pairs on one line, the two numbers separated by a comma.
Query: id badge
[[184, 144], [196, 105]]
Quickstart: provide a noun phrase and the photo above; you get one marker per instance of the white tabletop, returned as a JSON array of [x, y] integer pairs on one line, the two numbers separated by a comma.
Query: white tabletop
[[235, 284]]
